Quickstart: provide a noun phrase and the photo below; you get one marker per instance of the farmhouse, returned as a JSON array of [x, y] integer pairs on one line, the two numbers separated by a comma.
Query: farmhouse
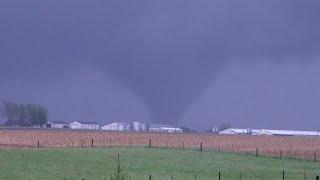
[[116, 126], [84, 125], [164, 128], [57, 124]]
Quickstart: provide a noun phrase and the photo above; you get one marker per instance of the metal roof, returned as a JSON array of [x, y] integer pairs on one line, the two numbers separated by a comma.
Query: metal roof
[[85, 122], [270, 132], [118, 123]]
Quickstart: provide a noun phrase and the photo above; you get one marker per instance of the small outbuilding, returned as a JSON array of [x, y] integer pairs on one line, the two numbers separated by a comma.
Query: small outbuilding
[[57, 124]]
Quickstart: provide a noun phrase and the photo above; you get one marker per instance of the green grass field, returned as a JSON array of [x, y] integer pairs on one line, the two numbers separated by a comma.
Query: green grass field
[[97, 163]]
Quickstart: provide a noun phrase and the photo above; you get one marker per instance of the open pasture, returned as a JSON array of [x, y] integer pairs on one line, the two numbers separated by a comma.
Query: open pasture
[[139, 163]]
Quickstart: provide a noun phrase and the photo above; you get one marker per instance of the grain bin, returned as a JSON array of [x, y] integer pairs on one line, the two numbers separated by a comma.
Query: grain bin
[[136, 126]]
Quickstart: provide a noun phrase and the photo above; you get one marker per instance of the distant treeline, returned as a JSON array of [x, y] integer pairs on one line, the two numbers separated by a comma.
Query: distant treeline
[[24, 114]]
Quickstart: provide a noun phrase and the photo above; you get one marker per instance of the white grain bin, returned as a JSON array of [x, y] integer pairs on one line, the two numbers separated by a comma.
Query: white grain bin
[[215, 129], [249, 131], [136, 126]]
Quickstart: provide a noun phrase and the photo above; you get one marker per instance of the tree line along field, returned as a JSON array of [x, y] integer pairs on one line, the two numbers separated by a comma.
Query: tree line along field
[[276, 146]]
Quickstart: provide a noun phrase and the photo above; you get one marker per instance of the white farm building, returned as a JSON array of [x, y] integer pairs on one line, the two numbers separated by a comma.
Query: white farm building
[[116, 126], [164, 128], [232, 131], [84, 125]]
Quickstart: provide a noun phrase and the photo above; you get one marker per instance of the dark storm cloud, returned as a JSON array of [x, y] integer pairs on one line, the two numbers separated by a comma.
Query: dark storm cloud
[[261, 94], [166, 52], [82, 93]]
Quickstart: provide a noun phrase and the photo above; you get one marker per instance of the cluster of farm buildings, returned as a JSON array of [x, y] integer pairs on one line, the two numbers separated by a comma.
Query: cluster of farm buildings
[[115, 126], [144, 127]]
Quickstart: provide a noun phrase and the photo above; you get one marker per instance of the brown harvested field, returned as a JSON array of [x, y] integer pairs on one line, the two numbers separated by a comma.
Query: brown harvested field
[[294, 147]]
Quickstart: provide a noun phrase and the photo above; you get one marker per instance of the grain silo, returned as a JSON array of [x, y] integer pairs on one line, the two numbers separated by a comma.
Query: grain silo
[[136, 126]]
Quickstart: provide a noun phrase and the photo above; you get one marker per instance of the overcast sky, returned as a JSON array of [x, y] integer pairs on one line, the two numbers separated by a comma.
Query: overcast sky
[[198, 63]]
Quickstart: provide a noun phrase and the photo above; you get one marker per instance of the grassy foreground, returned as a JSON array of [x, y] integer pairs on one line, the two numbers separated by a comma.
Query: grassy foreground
[[97, 163]]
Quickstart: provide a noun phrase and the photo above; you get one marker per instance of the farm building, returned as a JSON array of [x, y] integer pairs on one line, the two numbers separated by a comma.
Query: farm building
[[270, 132], [57, 124], [138, 126], [164, 128], [84, 125], [116, 126], [291, 133], [239, 131]]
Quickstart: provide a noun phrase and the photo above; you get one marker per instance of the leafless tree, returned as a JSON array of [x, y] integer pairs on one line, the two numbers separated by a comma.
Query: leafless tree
[[24, 114]]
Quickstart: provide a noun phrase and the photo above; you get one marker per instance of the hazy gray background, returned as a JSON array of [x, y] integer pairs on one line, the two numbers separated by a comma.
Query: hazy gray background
[[196, 63]]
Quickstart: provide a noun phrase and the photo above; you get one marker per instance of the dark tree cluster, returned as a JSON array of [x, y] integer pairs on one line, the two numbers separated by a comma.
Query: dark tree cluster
[[24, 114]]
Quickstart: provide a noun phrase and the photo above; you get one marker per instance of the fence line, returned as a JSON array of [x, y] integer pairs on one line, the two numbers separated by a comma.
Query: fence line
[[148, 144], [221, 176], [290, 154]]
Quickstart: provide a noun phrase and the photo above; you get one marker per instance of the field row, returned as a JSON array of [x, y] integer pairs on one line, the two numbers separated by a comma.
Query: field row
[[292, 147]]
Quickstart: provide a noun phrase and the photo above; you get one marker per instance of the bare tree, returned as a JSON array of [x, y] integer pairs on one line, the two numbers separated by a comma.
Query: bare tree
[[11, 112], [24, 114]]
